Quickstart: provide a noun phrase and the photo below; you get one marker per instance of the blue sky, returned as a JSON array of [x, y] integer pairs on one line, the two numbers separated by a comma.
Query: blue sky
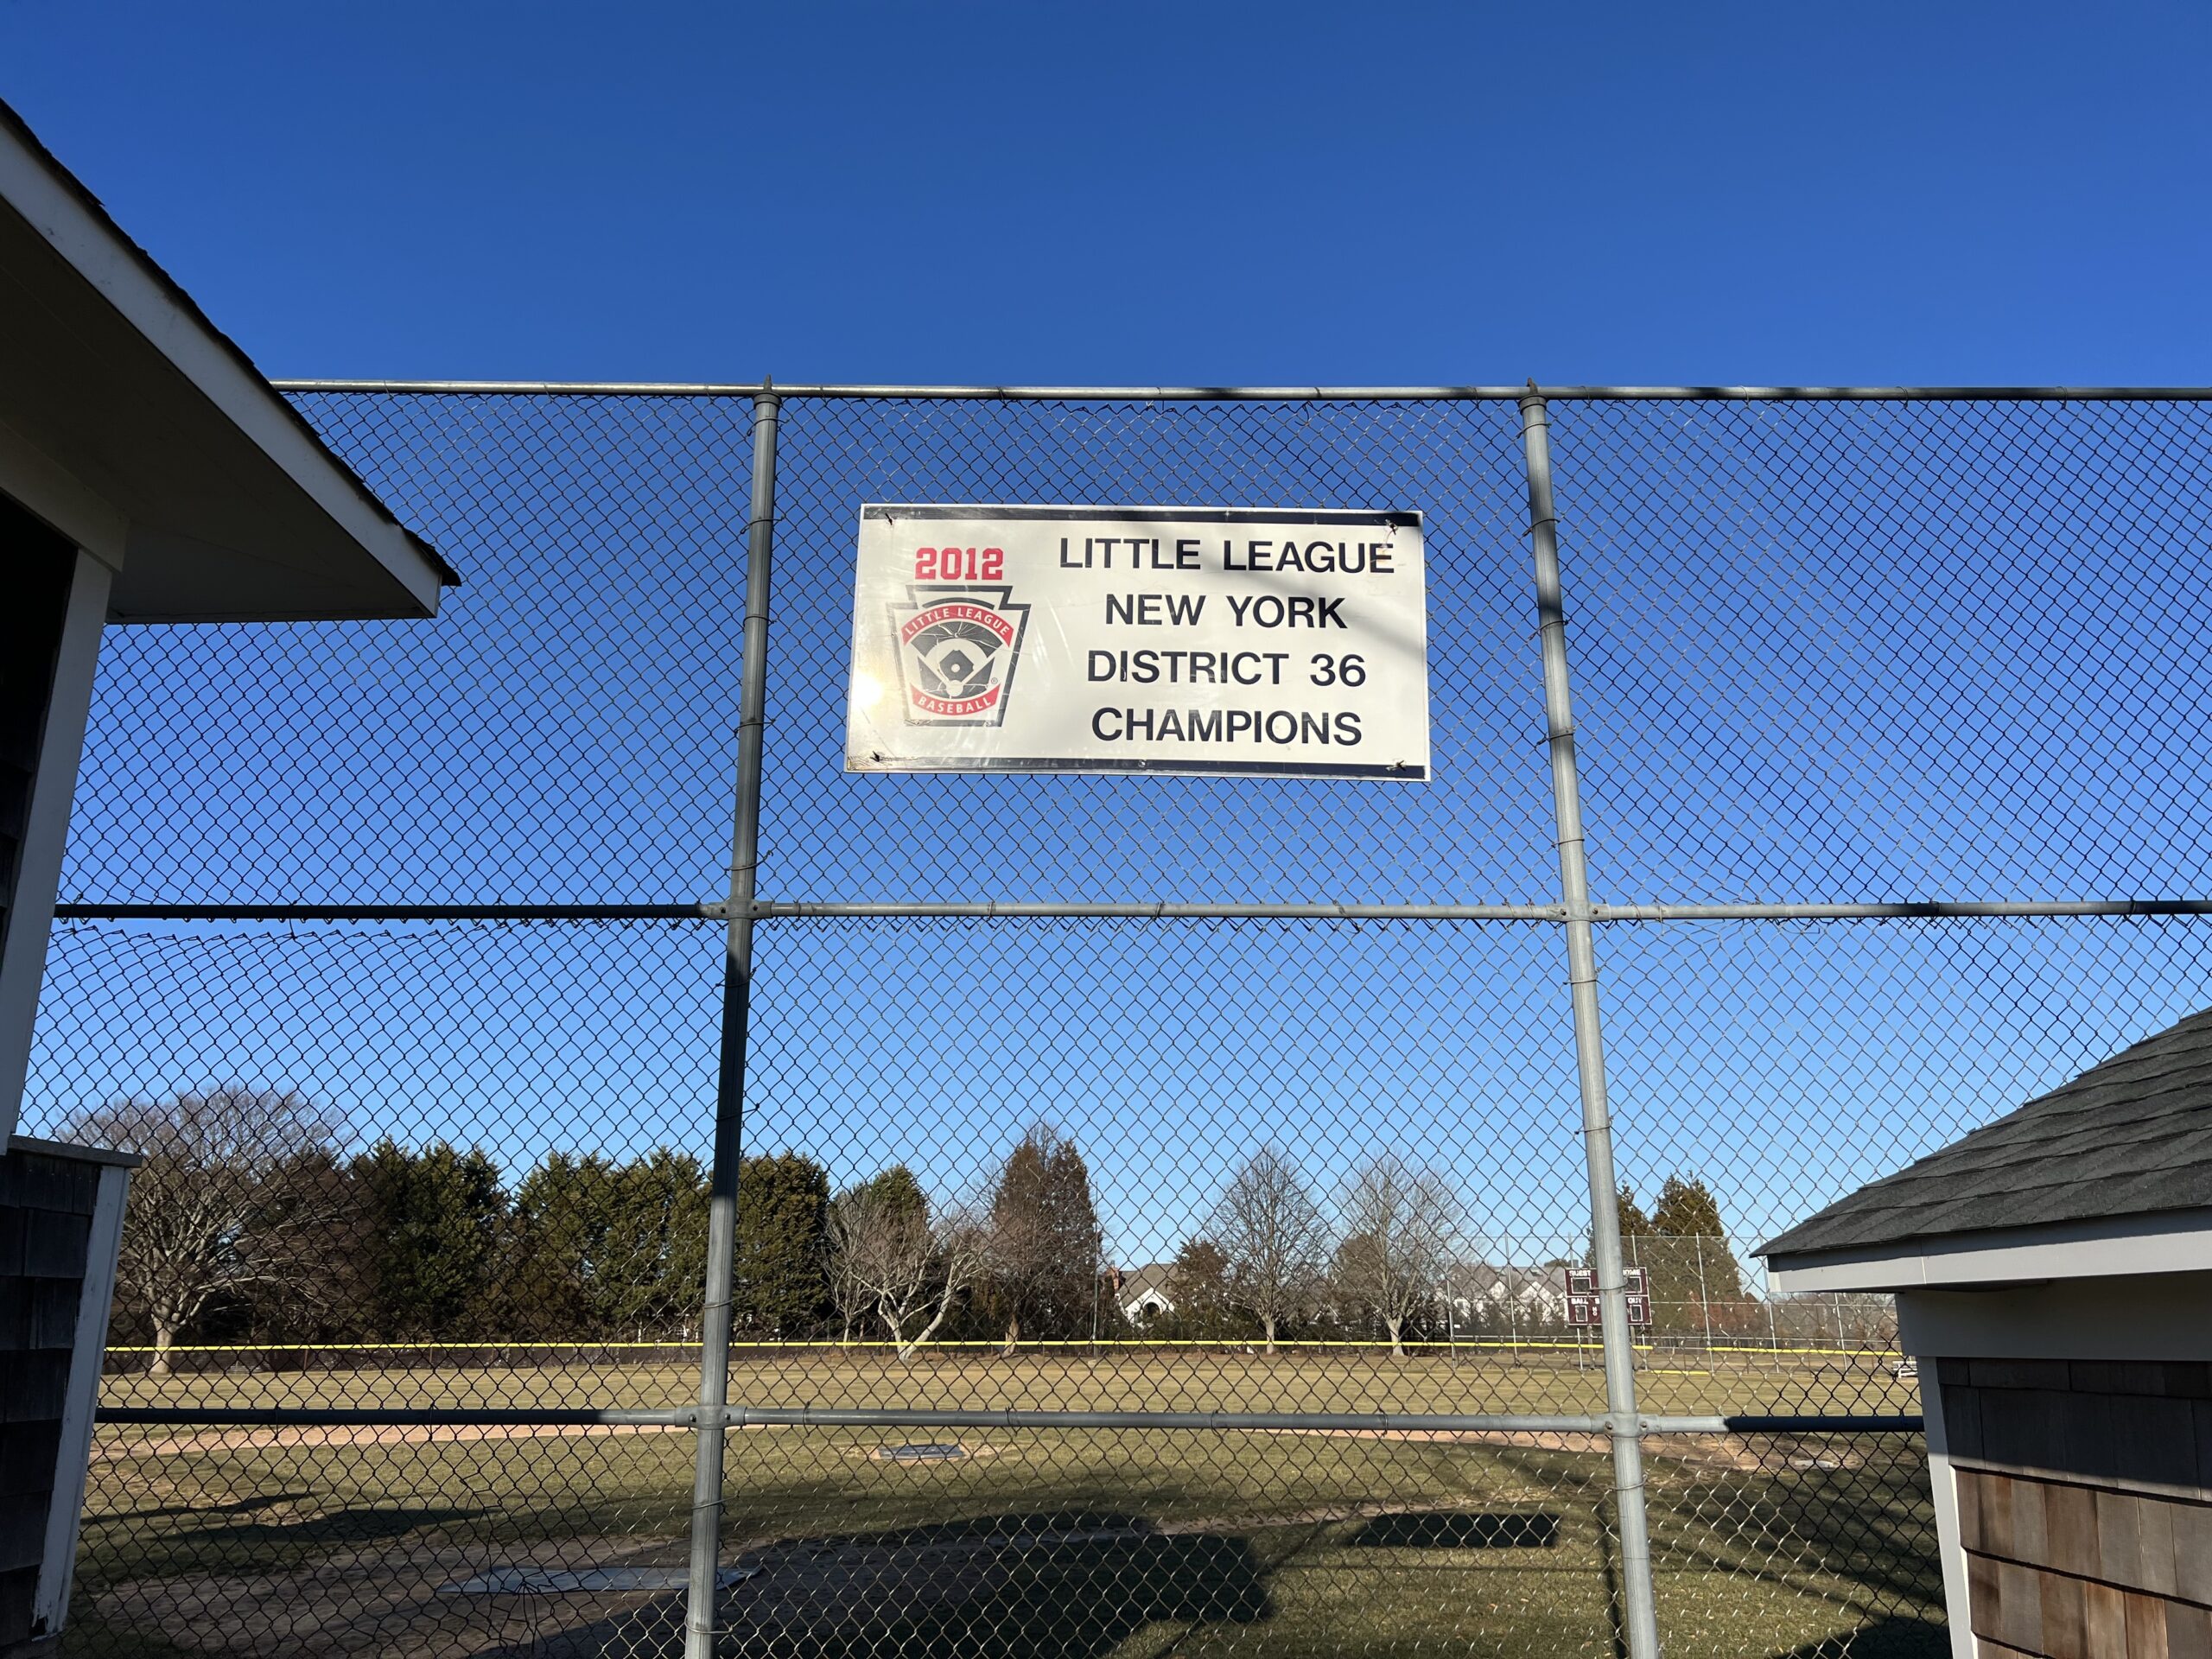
[[1883, 652], [1821, 653], [1138, 193]]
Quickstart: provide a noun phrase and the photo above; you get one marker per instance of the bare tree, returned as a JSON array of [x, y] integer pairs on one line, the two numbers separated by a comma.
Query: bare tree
[[234, 1179], [851, 1297], [887, 1249], [1272, 1232], [1399, 1224]]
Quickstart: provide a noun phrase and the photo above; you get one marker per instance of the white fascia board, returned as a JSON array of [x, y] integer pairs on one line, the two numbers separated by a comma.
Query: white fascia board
[[2173, 1241], [106, 260]]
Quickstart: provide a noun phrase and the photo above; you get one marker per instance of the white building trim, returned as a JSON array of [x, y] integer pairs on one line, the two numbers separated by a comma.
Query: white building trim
[[1943, 1485], [2166, 1241], [2153, 1317], [53, 205], [23, 954]]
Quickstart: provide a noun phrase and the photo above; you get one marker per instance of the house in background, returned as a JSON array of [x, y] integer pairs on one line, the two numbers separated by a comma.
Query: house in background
[[2053, 1277], [1143, 1292], [148, 474], [1507, 1295]]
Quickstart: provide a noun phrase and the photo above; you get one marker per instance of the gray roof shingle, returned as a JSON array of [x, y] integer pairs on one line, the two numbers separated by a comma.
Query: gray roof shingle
[[2130, 1136]]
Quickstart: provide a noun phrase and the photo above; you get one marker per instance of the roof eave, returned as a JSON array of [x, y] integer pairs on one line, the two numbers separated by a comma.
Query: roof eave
[[404, 573], [2171, 1240]]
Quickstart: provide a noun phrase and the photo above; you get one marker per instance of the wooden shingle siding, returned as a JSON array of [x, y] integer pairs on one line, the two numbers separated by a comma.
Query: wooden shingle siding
[[2154, 1537], [2135, 1425], [2192, 1529], [2070, 1525], [2138, 1541], [2146, 1627], [2046, 1616], [2065, 1608], [2189, 1631], [2085, 1506], [2104, 1622], [46, 1209], [1992, 1506]]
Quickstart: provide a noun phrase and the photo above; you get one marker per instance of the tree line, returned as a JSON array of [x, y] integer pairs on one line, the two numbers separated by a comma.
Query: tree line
[[249, 1223], [1271, 1263]]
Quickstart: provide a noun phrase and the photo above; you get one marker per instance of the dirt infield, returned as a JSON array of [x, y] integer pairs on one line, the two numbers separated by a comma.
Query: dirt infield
[[1717, 1450], [317, 1436], [350, 1539]]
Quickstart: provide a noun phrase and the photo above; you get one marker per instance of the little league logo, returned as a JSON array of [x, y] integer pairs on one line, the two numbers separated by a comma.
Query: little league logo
[[957, 648]]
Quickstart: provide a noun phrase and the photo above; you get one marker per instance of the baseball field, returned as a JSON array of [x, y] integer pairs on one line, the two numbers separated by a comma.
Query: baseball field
[[392, 1539]]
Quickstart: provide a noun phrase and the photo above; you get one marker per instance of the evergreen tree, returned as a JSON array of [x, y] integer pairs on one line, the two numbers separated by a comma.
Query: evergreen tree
[[783, 1216], [1045, 1240], [1633, 1222], [1198, 1284], [653, 1261], [1638, 1236], [1695, 1275], [601, 1249], [1695, 1283], [894, 1194], [560, 1232], [435, 1220]]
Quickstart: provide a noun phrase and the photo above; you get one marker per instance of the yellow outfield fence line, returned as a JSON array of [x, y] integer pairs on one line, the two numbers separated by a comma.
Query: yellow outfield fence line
[[1254, 1344]]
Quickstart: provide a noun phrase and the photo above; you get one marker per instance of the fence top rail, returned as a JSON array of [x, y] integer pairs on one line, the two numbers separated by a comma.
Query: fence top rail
[[1275, 394]]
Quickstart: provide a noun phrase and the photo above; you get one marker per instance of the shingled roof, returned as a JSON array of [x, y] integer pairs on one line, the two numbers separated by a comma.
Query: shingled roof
[[2130, 1136]]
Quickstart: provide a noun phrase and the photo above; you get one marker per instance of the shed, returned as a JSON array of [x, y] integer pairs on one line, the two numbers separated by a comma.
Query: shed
[[2053, 1276], [148, 474]]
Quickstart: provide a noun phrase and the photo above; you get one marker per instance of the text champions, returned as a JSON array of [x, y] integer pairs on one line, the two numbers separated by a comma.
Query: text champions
[[1278, 725], [1336, 727]]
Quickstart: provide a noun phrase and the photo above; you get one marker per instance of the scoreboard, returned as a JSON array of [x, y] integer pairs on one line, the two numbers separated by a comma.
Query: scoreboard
[[1582, 1301]]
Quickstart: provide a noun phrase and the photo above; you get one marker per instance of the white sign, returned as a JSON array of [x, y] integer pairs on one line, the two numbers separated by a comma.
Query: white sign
[[1179, 639]]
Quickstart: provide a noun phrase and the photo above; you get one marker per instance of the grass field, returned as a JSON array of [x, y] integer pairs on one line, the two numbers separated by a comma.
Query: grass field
[[1065, 1542]]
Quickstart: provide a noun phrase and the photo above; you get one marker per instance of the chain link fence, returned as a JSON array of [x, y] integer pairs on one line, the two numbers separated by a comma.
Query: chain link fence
[[401, 947]]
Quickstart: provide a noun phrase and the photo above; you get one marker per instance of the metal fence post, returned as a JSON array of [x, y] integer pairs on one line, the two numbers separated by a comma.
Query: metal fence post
[[1639, 1610], [729, 1088], [1704, 1300]]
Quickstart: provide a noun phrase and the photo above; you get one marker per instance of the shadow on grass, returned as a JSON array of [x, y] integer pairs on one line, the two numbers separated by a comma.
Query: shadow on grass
[[1872, 1524], [1051, 1586], [1447, 1529], [1893, 1637], [339, 1526], [1608, 1568], [244, 1506]]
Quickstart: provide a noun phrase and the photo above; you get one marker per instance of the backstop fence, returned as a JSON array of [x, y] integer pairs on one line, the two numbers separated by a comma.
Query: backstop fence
[[1025, 1132]]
